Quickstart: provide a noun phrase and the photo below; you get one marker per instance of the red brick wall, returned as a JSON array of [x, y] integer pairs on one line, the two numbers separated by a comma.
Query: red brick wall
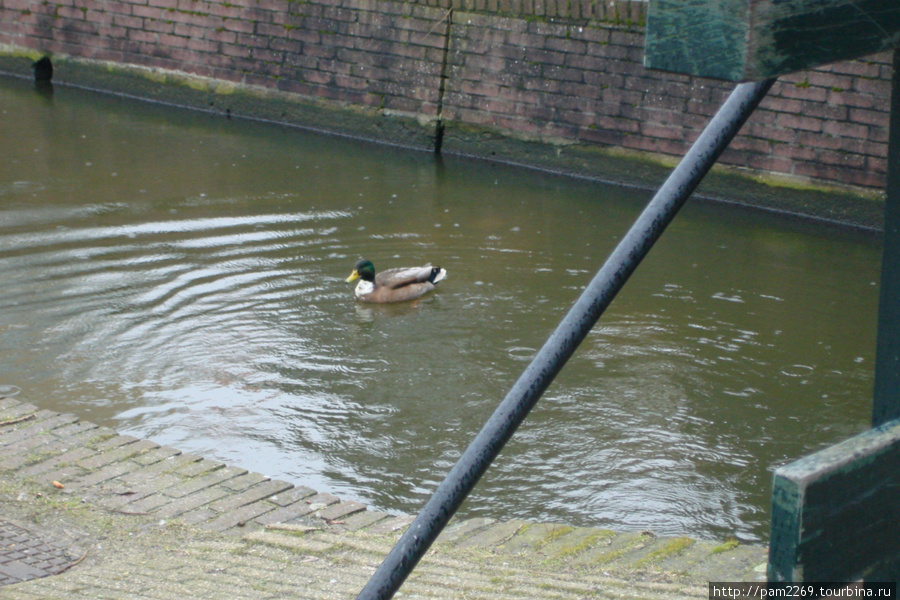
[[587, 84], [547, 70]]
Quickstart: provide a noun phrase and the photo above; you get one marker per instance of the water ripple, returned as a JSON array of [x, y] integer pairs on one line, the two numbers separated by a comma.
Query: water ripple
[[199, 298]]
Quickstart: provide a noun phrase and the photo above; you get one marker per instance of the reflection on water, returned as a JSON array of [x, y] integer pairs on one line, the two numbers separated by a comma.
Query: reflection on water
[[181, 278]]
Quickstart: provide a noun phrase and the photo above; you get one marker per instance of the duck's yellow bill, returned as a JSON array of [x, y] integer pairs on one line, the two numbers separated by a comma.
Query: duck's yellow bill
[[353, 277]]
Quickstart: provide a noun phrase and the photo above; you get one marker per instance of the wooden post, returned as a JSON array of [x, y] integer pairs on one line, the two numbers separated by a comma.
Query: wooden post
[[887, 359]]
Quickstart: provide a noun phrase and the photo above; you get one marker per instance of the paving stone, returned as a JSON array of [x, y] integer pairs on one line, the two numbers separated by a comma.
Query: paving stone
[[534, 536], [43, 422], [54, 442], [147, 479], [59, 451], [16, 462], [212, 478], [495, 534], [184, 504], [199, 466], [76, 428], [244, 481], [118, 454], [238, 517], [293, 495], [7, 402], [361, 520], [321, 500], [391, 525], [613, 550], [26, 445], [340, 510], [727, 562], [149, 503], [284, 514], [17, 412], [68, 456], [302, 543], [257, 492], [173, 464], [156, 455], [158, 466], [200, 515], [578, 540], [110, 471], [63, 475], [458, 529], [113, 441], [119, 500], [15, 571]]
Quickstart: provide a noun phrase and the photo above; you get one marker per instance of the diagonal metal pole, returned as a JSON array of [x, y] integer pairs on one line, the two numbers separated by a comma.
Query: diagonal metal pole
[[562, 343]]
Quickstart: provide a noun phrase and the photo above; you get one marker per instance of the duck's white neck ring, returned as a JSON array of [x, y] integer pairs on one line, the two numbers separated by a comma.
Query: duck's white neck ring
[[364, 287]]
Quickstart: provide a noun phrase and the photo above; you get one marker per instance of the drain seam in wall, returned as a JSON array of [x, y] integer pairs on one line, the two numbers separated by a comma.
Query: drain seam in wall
[[442, 81]]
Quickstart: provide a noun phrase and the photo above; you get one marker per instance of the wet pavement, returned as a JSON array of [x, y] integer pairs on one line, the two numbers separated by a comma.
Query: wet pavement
[[90, 513]]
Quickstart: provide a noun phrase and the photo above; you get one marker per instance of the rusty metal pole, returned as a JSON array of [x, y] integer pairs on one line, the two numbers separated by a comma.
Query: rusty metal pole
[[564, 340]]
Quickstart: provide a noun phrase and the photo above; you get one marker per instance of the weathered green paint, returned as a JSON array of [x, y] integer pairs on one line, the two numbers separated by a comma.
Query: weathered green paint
[[747, 40], [836, 513], [698, 37], [887, 361]]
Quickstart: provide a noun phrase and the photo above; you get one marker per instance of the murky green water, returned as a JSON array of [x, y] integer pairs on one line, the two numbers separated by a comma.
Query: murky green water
[[180, 277]]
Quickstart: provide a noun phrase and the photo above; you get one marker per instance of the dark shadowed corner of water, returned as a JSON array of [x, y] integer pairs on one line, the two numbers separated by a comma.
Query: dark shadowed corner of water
[[181, 277]]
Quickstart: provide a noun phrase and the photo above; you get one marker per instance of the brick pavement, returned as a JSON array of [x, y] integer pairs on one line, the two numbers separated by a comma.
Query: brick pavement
[[87, 512]]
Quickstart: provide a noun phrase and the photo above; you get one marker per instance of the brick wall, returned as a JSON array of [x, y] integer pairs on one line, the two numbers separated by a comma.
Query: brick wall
[[567, 73], [585, 83]]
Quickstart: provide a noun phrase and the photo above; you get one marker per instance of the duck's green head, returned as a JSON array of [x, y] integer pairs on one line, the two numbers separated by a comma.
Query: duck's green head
[[364, 269]]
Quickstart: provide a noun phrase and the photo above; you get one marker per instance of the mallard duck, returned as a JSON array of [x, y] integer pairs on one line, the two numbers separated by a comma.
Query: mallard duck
[[393, 285]]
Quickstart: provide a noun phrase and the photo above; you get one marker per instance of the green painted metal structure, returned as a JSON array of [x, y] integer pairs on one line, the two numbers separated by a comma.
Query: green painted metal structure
[[749, 40], [887, 367], [836, 513]]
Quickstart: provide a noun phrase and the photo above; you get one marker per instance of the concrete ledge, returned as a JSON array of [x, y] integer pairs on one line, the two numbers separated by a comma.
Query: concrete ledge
[[147, 517]]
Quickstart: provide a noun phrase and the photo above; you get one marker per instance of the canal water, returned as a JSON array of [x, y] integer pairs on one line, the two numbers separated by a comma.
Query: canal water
[[180, 276]]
